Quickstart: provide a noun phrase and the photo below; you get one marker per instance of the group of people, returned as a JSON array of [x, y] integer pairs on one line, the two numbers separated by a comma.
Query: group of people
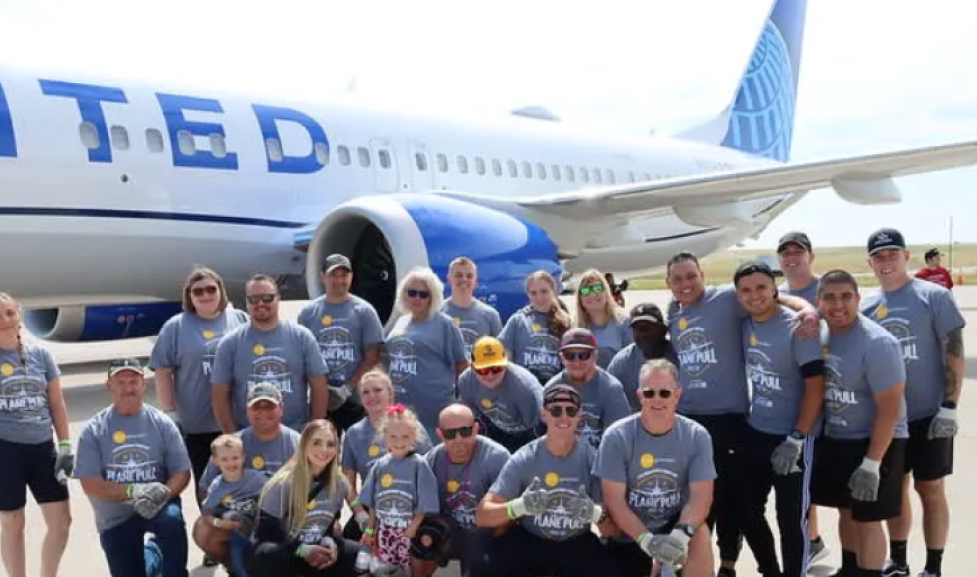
[[502, 445]]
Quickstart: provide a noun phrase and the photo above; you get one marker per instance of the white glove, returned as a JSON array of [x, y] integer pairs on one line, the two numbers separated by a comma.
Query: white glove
[[644, 542], [672, 549], [362, 518], [532, 502], [64, 465], [864, 481], [944, 424], [148, 499], [785, 457]]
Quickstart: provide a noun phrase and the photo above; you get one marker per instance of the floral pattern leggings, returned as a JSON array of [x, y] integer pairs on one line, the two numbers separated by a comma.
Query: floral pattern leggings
[[393, 546]]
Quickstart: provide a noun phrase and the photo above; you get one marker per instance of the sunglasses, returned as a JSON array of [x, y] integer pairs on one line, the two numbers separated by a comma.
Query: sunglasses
[[414, 293], [652, 393], [450, 434], [577, 355], [489, 371], [199, 291], [557, 411], [266, 298], [592, 289]]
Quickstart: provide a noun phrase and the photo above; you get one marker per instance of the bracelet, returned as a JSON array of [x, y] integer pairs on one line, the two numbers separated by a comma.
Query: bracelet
[[129, 491], [64, 443], [641, 537], [369, 531], [509, 512], [217, 522]]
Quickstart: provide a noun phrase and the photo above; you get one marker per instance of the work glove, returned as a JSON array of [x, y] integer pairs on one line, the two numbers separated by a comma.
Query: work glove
[[148, 499], [532, 502], [944, 424], [672, 549], [362, 519], [864, 482], [582, 508], [644, 543], [64, 464], [786, 456]]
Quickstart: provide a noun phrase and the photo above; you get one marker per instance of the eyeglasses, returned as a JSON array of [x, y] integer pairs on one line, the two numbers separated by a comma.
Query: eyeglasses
[[489, 371], [199, 291], [414, 293], [592, 289], [558, 410], [577, 355], [651, 393], [265, 298], [450, 434]]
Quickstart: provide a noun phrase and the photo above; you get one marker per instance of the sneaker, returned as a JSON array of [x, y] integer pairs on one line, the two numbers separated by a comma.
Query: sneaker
[[818, 552], [893, 570], [209, 561], [725, 572]]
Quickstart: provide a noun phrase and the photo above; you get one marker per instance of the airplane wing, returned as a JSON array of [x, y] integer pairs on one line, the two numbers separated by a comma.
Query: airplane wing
[[845, 175]]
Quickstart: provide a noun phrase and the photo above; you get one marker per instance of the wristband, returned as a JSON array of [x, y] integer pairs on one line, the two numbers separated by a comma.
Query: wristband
[[355, 503], [870, 465], [64, 443], [369, 531], [129, 491], [641, 537], [217, 522], [509, 512]]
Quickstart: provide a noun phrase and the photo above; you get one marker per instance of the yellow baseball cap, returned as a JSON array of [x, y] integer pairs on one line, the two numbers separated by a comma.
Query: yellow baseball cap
[[488, 352]]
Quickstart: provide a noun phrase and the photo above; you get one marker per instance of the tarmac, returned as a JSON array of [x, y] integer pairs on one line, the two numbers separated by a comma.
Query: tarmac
[[84, 365]]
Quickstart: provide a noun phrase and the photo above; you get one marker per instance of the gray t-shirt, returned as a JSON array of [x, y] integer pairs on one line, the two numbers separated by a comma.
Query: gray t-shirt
[[421, 360], [141, 448], [462, 486], [286, 356], [561, 476], [603, 403], [513, 406], [344, 331], [774, 357], [187, 344], [706, 337], [611, 338], [920, 315], [531, 344], [263, 456], [808, 293], [626, 367], [657, 469], [397, 488], [475, 322], [319, 515], [861, 361], [241, 495], [25, 413], [363, 446]]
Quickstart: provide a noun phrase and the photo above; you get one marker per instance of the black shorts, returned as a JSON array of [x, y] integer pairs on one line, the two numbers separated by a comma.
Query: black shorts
[[834, 462], [30, 466], [928, 459]]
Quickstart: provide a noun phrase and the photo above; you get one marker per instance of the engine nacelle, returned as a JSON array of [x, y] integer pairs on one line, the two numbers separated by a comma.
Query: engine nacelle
[[74, 324], [386, 236]]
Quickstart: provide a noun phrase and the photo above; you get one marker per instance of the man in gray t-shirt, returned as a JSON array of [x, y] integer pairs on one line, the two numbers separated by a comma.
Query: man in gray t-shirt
[[650, 336], [475, 318], [350, 336], [795, 255], [133, 466], [269, 349]]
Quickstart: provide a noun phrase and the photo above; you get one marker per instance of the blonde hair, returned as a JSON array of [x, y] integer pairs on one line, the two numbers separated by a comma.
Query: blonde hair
[[433, 284], [21, 349], [397, 413], [226, 441], [559, 319], [297, 472], [378, 374], [614, 312], [198, 274], [463, 261]]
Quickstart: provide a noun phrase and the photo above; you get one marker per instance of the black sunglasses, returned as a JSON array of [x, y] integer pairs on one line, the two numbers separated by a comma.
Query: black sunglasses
[[557, 411], [265, 298], [450, 434], [414, 293], [650, 393], [199, 291], [577, 355]]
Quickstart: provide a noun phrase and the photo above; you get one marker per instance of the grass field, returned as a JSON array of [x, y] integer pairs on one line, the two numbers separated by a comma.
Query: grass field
[[719, 267]]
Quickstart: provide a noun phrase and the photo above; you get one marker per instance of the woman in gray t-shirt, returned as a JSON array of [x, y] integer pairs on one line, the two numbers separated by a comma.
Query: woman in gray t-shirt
[[532, 335], [597, 311]]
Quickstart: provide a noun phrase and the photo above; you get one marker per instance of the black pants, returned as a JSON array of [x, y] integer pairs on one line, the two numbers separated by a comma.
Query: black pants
[[273, 560], [198, 449], [793, 501], [347, 415], [512, 442], [727, 432], [519, 553]]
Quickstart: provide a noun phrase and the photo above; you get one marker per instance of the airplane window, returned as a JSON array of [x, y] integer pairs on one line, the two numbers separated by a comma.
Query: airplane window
[[609, 176], [154, 140], [462, 164], [584, 175], [479, 165], [527, 169], [343, 155], [322, 153], [630, 176], [596, 172], [364, 155], [569, 172], [420, 159], [513, 171], [89, 135], [541, 170], [496, 167], [384, 157], [218, 146], [120, 137], [442, 162], [555, 169], [188, 147], [272, 145]]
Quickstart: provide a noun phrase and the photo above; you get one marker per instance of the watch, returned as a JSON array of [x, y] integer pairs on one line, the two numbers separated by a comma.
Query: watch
[[796, 435], [687, 529], [949, 405]]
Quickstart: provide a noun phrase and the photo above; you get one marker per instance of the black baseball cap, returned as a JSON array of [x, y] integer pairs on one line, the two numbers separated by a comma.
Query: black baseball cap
[[128, 364], [753, 267], [795, 237], [335, 261], [932, 252], [561, 392], [885, 238], [646, 312]]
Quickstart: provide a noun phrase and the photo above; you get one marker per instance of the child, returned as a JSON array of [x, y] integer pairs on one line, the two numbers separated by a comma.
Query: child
[[399, 490], [232, 497]]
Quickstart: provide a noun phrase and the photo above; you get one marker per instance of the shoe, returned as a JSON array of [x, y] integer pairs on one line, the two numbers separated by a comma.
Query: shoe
[[209, 561], [818, 552], [724, 572], [928, 574], [893, 570]]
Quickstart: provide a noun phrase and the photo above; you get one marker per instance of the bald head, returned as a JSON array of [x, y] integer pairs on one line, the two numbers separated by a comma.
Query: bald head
[[456, 415]]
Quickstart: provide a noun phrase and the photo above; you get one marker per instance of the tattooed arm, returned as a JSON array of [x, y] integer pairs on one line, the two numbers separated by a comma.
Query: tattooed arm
[[955, 364]]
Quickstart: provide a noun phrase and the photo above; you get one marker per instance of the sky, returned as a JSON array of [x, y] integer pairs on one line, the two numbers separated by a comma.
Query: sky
[[876, 75]]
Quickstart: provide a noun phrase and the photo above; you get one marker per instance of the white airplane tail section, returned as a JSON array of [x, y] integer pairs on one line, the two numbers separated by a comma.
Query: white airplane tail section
[[760, 120]]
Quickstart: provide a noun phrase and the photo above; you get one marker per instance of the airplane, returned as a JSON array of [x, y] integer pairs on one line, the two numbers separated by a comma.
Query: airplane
[[112, 191]]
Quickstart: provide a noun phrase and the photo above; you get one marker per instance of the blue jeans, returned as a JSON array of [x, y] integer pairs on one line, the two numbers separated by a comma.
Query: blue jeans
[[238, 547], [166, 555]]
